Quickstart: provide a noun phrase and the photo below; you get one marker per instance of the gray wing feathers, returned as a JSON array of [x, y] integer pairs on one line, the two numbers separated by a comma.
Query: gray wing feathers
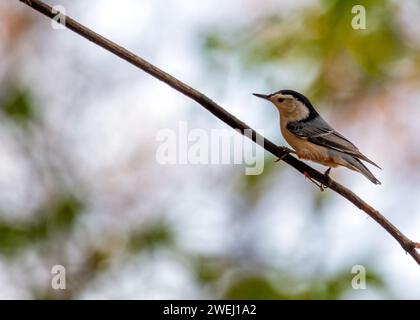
[[319, 132]]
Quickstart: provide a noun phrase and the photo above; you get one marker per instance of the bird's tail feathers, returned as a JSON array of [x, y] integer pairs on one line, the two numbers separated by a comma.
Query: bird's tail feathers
[[364, 158], [357, 165]]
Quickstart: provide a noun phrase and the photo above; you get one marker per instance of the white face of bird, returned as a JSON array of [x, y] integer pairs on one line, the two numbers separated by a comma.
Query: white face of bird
[[288, 105]]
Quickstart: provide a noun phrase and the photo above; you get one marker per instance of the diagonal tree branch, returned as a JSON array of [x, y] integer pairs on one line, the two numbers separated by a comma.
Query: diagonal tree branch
[[408, 245]]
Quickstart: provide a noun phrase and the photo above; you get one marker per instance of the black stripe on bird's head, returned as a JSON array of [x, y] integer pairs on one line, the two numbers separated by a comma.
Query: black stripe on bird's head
[[300, 97], [294, 95]]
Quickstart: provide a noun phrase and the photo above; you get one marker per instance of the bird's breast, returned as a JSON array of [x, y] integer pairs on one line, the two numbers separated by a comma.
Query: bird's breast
[[297, 143]]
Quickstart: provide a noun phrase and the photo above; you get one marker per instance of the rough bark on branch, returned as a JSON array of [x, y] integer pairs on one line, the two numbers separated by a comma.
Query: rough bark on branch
[[408, 245]]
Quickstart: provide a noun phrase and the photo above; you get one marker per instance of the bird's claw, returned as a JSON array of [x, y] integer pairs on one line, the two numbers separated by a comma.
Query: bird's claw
[[286, 151], [327, 172], [281, 158], [319, 185], [327, 175]]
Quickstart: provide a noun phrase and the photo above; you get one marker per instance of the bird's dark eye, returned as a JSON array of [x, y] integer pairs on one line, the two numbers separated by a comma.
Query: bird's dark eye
[[280, 100]]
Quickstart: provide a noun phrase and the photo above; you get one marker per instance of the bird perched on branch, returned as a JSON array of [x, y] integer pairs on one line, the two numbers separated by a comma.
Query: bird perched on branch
[[312, 137]]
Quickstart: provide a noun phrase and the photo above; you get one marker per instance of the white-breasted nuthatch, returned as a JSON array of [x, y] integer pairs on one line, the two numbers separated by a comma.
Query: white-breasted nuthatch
[[312, 137]]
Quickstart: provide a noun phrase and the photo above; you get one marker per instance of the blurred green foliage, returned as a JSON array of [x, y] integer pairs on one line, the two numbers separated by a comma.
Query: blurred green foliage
[[322, 37], [56, 217], [260, 287], [18, 106], [255, 287], [252, 186], [153, 236]]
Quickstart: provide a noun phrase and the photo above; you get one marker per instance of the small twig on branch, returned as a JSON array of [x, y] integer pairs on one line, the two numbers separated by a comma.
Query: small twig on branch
[[408, 245]]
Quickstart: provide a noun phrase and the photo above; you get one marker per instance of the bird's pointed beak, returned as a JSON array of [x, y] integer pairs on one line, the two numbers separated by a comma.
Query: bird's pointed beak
[[262, 96]]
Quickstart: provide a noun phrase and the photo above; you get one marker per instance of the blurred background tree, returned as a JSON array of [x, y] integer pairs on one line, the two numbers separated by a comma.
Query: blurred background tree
[[80, 185]]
